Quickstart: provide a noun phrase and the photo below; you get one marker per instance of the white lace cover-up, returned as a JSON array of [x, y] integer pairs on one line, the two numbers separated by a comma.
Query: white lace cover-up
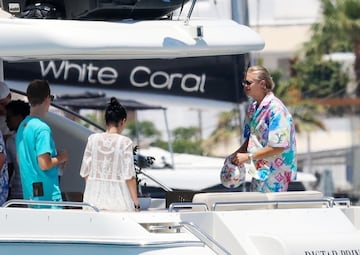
[[108, 161]]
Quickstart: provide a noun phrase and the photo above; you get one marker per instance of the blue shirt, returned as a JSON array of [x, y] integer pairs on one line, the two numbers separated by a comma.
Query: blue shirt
[[34, 138]]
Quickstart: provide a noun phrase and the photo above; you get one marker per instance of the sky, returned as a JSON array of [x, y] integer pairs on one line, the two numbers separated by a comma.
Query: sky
[[283, 12]]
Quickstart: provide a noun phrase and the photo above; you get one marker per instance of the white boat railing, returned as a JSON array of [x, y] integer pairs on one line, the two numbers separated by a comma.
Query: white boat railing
[[208, 240], [193, 229], [49, 203], [328, 202], [340, 201], [277, 204], [203, 238]]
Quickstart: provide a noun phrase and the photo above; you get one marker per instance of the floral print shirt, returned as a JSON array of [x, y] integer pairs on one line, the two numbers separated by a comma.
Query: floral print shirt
[[270, 123]]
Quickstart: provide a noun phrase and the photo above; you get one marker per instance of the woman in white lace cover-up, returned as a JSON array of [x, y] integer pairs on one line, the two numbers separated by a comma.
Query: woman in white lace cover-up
[[108, 165]]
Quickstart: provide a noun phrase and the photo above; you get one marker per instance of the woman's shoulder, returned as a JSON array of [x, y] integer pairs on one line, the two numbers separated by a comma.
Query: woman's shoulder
[[125, 139], [104, 135], [94, 135]]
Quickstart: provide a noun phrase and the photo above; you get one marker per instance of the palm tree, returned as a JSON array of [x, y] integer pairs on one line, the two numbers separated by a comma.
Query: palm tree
[[350, 19], [305, 113], [226, 126], [328, 35], [227, 129], [338, 31]]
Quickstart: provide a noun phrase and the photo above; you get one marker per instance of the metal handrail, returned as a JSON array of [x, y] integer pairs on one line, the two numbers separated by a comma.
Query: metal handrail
[[328, 201], [205, 238], [163, 186], [190, 11], [340, 200], [48, 203], [197, 232]]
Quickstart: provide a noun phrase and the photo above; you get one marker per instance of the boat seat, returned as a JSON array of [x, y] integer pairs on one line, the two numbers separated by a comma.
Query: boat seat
[[227, 201], [298, 199]]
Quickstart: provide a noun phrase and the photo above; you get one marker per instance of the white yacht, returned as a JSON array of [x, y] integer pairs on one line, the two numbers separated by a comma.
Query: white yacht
[[296, 223], [213, 223]]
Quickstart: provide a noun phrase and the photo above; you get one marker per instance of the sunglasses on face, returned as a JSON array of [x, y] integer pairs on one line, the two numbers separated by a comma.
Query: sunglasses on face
[[247, 83]]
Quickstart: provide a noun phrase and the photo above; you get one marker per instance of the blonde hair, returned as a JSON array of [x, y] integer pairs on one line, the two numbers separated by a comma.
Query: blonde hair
[[261, 73]]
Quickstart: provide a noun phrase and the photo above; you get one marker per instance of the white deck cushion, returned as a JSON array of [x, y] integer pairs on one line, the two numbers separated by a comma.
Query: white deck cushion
[[217, 197], [310, 195], [220, 198]]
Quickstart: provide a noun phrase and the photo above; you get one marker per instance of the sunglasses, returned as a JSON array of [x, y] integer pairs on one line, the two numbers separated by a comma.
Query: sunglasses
[[51, 97], [247, 83]]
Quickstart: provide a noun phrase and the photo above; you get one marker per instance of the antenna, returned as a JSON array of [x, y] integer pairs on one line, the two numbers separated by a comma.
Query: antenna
[[182, 7], [190, 11]]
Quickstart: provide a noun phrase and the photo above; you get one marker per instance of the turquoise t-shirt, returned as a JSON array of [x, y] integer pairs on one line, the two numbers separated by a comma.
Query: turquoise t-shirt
[[33, 139]]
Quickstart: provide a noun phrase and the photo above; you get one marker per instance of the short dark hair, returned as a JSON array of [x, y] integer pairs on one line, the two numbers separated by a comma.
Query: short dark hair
[[18, 107], [114, 112], [38, 91]]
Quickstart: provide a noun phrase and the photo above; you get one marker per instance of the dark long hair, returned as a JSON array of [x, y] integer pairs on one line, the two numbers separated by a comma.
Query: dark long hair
[[114, 112]]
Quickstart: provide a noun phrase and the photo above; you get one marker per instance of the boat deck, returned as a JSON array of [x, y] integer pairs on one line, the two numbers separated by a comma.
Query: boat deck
[[212, 223]]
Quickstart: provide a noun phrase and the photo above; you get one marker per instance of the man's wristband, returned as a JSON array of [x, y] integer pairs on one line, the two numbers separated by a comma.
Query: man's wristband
[[251, 156]]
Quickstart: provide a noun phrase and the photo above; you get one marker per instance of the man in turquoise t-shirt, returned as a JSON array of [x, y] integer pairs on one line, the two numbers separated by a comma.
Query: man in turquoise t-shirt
[[38, 158]]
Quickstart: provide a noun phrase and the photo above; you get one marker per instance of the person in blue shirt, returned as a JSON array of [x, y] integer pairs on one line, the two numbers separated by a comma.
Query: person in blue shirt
[[38, 158], [16, 111]]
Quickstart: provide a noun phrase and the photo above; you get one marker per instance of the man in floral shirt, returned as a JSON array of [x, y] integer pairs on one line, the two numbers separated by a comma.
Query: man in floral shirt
[[269, 135]]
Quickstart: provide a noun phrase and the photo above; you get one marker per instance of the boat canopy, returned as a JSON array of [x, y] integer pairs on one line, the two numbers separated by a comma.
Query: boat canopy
[[99, 101], [32, 39]]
